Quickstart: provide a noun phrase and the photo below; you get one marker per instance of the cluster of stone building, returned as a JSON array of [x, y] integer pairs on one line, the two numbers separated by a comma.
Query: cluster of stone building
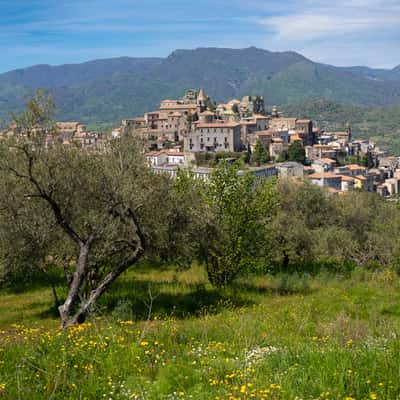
[[326, 167], [66, 133], [199, 125], [194, 124]]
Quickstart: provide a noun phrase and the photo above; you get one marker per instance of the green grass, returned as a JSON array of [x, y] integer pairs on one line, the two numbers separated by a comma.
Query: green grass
[[327, 337]]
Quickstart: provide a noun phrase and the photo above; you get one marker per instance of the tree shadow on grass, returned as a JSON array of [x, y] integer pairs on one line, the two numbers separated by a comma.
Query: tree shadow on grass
[[135, 299], [165, 299]]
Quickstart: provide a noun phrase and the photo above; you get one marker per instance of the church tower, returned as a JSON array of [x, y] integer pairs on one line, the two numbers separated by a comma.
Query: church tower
[[201, 102]]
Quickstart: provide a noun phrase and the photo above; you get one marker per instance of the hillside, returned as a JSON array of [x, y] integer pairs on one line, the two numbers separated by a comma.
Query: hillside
[[108, 90]]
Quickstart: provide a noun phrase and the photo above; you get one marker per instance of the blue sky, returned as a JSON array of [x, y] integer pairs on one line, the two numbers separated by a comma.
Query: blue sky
[[341, 32]]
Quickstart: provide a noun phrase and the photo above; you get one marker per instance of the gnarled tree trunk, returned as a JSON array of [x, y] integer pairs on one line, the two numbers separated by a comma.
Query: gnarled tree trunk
[[78, 277]]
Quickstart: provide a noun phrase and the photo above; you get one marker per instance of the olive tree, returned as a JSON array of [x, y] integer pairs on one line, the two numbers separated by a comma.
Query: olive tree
[[94, 214]]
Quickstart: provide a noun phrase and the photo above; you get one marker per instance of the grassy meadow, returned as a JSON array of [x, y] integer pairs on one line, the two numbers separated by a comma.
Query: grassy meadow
[[166, 334]]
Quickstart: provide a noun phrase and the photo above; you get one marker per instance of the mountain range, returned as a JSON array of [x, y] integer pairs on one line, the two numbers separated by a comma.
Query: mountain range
[[105, 91]]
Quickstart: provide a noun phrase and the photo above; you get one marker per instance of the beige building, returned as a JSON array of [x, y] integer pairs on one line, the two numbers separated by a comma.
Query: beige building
[[213, 137], [322, 165]]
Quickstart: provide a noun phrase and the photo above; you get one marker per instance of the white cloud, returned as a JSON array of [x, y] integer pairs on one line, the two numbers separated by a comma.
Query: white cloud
[[320, 22], [344, 32]]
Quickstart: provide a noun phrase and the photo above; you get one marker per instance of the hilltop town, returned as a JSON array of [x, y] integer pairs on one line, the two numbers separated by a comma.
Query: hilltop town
[[195, 132], [185, 132]]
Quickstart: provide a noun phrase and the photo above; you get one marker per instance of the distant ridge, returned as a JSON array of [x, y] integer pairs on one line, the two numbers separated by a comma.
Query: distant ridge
[[110, 89], [73, 74]]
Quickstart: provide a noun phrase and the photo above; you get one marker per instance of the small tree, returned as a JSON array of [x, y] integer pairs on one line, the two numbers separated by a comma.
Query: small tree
[[296, 152], [259, 155], [239, 209]]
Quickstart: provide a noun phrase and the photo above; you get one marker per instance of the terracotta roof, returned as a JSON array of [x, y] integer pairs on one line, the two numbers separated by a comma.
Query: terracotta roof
[[154, 153], [360, 178], [260, 116], [326, 160], [296, 138], [355, 166], [323, 176]]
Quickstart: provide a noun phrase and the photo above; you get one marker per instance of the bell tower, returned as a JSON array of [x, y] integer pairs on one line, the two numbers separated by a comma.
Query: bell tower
[[201, 102]]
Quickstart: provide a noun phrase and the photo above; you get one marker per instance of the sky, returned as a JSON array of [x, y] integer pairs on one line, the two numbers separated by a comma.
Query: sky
[[338, 32]]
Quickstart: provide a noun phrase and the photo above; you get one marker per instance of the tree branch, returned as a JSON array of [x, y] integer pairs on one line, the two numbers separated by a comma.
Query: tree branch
[[47, 197]]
